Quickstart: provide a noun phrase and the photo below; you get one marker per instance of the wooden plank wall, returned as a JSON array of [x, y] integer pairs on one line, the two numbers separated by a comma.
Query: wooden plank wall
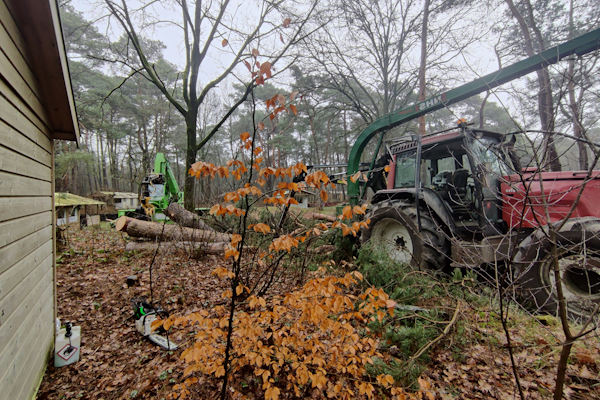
[[26, 220]]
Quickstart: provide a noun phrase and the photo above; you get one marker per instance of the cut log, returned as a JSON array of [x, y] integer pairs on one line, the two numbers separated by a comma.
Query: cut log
[[324, 217], [167, 232], [195, 247], [186, 218]]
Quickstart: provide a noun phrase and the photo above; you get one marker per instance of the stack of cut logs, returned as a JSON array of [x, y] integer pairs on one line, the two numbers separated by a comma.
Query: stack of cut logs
[[190, 233]]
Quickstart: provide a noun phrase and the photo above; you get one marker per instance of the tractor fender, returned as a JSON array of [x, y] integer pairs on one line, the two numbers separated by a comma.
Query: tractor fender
[[529, 246], [427, 198]]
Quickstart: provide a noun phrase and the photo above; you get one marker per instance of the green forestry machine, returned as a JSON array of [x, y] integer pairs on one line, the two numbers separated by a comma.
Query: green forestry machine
[[460, 198], [157, 191]]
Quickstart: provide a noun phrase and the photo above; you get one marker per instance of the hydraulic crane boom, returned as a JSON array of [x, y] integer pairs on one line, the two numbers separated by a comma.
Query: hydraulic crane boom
[[161, 166], [581, 45]]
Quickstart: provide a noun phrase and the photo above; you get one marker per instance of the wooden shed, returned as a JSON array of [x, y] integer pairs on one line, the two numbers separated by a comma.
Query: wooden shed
[[116, 201], [72, 209], [36, 108]]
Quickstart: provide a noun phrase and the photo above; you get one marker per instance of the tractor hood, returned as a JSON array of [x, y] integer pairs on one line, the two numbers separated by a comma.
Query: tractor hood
[[537, 198]]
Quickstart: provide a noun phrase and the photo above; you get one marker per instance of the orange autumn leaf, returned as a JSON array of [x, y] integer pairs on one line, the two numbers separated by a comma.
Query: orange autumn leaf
[[231, 196], [299, 168], [224, 42], [254, 301], [255, 53], [285, 242], [231, 252], [359, 210], [280, 99], [239, 289], [355, 177], [157, 323], [262, 228], [346, 230], [220, 371], [294, 109], [265, 69], [214, 209], [272, 393], [244, 136], [261, 126], [168, 324], [290, 200], [222, 272], [347, 212], [286, 22], [324, 196], [235, 239]]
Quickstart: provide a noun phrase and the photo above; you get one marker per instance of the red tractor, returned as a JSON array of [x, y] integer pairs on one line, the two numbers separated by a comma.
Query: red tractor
[[461, 198]]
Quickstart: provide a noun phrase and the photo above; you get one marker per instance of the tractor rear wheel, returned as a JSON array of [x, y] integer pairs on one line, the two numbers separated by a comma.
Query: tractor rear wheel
[[393, 228], [578, 256]]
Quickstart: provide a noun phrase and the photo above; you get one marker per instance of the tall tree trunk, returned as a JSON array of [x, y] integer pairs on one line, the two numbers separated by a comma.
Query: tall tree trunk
[[578, 130], [423, 65], [109, 168], [545, 101], [132, 185], [190, 157], [99, 163], [103, 165]]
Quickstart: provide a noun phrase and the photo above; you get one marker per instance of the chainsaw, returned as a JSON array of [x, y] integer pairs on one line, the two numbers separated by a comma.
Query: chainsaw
[[144, 314]]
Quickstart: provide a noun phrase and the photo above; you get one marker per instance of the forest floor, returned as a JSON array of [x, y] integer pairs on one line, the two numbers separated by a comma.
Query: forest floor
[[117, 363]]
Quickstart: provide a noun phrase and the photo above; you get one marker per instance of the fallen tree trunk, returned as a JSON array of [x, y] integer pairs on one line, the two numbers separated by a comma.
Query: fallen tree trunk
[[196, 247], [186, 218], [167, 232], [324, 217]]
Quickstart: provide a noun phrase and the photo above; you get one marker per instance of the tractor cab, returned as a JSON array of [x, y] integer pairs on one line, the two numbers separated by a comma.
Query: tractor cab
[[459, 169], [153, 187]]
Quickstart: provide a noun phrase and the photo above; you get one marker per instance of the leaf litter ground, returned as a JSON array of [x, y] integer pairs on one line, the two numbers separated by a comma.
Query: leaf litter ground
[[117, 363]]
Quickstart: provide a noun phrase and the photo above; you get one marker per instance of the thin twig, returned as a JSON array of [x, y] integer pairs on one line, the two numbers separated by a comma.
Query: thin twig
[[445, 332]]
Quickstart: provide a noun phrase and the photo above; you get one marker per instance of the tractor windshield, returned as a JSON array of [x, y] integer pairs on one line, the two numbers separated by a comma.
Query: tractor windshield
[[486, 156]]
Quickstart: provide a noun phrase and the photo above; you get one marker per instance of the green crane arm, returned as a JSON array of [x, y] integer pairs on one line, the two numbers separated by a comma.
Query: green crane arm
[[580, 45], [161, 166]]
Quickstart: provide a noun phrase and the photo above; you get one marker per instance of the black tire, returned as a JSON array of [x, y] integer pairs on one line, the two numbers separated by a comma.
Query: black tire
[[427, 249], [578, 250]]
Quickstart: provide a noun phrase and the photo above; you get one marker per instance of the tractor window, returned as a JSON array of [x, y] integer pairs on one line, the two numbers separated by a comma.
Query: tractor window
[[446, 164], [157, 191], [405, 170]]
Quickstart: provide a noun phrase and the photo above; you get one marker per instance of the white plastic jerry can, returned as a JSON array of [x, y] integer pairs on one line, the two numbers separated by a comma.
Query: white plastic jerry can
[[67, 345]]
